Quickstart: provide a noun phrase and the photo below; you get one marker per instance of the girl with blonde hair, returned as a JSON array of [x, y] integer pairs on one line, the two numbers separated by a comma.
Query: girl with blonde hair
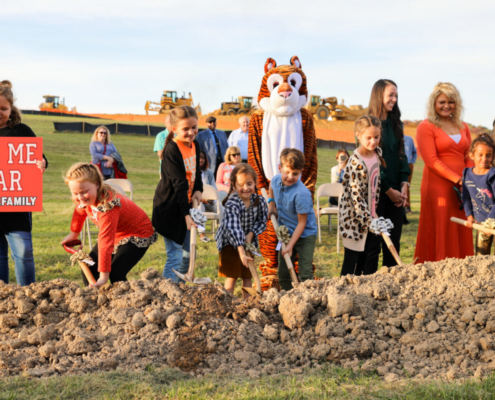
[[444, 142], [125, 231], [232, 158]]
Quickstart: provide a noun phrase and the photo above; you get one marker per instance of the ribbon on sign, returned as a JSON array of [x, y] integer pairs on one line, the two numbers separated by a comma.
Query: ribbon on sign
[[381, 225]]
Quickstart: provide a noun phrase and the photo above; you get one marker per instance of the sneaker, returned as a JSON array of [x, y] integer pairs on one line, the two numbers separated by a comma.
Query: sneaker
[[205, 239]]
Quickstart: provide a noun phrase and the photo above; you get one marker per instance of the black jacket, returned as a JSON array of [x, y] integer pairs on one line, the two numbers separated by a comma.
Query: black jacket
[[171, 203], [16, 221]]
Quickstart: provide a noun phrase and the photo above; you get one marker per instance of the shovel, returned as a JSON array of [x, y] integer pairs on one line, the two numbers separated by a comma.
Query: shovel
[[189, 277], [475, 226], [69, 248], [249, 290], [287, 259], [392, 249]]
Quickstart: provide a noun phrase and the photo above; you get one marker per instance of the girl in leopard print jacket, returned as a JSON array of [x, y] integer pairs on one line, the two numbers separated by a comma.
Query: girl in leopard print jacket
[[361, 191]]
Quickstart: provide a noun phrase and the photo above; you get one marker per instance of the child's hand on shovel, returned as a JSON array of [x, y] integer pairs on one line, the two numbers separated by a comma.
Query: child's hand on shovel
[[102, 280], [470, 221], [190, 223]]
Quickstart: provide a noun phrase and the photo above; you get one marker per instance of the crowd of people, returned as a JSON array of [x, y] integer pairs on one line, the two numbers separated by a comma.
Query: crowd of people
[[458, 181]]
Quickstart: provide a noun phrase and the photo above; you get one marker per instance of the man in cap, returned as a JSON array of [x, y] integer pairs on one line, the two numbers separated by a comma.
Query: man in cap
[[239, 137], [214, 143]]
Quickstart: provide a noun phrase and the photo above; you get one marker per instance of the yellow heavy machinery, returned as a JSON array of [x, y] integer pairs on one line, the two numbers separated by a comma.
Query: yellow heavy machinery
[[169, 101], [52, 103], [242, 106], [330, 107]]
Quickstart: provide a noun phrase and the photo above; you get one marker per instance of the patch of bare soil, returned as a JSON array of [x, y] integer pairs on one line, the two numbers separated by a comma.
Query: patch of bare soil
[[433, 320]]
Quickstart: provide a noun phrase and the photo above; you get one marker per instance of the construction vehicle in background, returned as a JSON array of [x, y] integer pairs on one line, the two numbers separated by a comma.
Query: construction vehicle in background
[[52, 103], [330, 107], [242, 106], [169, 101]]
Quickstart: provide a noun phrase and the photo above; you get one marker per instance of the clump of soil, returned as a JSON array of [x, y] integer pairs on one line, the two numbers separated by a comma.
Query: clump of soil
[[432, 320]]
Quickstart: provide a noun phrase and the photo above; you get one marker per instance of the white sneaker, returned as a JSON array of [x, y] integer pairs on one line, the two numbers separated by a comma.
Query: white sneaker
[[205, 239]]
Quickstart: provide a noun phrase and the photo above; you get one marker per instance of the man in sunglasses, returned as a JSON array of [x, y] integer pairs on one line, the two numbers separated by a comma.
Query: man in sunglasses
[[239, 138], [214, 143]]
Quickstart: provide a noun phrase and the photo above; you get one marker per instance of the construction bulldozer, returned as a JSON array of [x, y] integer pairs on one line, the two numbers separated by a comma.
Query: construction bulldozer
[[52, 103], [242, 106], [169, 101], [330, 107]]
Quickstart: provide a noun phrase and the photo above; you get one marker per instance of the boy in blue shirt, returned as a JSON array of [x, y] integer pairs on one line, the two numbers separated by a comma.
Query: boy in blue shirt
[[291, 201]]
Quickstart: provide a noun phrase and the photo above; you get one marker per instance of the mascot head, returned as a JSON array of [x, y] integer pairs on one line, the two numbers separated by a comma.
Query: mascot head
[[283, 89]]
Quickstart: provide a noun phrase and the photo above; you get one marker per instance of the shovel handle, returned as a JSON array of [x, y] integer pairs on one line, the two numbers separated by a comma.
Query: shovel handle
[[286, 256], [192, 247], [392, 249], [475, 226], [69, 248], [256, 278]]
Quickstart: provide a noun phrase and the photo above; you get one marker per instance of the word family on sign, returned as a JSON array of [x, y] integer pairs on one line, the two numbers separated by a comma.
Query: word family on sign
[[21, 181]]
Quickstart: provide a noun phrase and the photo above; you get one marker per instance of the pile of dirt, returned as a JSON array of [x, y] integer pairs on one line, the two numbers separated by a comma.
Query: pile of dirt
[[432, 320]]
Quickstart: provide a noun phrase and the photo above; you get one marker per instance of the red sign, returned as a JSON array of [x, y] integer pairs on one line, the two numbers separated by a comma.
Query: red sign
[[21, 181]]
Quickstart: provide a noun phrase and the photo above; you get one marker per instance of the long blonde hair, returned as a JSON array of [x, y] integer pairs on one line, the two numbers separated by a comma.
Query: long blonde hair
[[15, 114], [84, 172], [231, 150], [449, 90], [94, 138]]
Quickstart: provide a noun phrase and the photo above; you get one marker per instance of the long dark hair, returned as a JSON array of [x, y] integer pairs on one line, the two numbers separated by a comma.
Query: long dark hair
[[376, 108], [483, 139], [207, 163]]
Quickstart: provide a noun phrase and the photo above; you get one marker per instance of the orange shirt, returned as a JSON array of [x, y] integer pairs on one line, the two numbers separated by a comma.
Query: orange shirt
[[189, 156]]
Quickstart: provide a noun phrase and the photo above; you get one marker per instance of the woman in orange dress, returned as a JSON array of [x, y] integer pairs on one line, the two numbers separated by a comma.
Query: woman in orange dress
[[443, 142]]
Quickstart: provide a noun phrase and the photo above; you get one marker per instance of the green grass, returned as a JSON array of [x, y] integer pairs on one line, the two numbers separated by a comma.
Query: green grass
[[63, 149]]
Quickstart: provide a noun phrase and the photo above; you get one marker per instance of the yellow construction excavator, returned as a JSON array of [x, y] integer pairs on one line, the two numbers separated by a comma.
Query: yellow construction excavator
[[243, 106], [52, 103], [169, 101], [330, 107]]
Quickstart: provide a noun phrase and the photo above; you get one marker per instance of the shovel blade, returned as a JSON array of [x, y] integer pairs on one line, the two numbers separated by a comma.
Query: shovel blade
[[202, 281], [184, 277], [251, 291]]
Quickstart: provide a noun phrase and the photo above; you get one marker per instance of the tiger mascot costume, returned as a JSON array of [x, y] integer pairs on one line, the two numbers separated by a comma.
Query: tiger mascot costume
[[280, 122]]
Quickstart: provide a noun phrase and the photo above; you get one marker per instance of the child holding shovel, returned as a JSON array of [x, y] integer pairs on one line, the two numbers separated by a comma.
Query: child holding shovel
[[361, 191], [245, 217], [478, 188], [292, 202], [179, 185], [125, 229]]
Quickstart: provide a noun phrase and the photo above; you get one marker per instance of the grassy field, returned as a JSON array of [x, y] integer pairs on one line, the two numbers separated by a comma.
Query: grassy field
[[63, 149]]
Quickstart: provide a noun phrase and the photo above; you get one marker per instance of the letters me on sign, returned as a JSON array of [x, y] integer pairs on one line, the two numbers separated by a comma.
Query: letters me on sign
[[21, 181]]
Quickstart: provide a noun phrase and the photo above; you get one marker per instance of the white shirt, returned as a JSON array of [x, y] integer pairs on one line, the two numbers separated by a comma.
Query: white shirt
[[240, 139], [456, 138]]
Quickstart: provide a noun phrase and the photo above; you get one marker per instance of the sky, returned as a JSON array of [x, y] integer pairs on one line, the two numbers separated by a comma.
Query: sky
[[112, 56]]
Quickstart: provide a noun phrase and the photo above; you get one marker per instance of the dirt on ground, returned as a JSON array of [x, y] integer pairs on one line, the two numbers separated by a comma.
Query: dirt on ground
[[432, 320]]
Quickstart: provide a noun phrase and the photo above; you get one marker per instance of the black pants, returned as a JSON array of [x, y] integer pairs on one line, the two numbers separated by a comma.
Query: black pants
[[355, 262], [387, 209], [127, 256]]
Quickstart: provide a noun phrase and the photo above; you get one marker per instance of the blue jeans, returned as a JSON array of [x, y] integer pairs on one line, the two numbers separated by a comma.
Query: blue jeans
[[177, 258], [21, 247]]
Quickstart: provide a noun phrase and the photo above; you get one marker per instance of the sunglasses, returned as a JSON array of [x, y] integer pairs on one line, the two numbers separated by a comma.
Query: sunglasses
[[102, 133], [235, 154]]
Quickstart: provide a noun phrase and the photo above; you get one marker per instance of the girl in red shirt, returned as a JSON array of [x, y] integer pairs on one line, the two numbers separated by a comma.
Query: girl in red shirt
[[125, 229]]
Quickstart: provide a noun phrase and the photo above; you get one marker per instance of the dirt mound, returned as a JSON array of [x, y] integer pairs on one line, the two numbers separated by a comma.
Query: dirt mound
[[432, 320]]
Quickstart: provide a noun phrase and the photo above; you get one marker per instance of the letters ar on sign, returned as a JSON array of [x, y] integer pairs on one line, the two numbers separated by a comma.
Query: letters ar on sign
[[21, 181]]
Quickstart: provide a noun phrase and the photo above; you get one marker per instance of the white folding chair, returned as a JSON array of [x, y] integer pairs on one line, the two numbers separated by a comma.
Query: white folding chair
[[120, 188], [124, 184], [210, 193], [329, 190]]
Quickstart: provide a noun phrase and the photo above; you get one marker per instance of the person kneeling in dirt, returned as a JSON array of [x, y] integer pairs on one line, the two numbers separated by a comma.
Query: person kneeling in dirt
[[245, 217], [292, 201], [125, 229]]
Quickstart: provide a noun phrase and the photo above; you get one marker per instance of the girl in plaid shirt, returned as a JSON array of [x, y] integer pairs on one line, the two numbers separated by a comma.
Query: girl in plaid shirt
[[245, 217]]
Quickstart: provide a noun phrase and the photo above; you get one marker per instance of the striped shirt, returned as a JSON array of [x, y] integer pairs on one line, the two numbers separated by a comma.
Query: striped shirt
[[238, 221]]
